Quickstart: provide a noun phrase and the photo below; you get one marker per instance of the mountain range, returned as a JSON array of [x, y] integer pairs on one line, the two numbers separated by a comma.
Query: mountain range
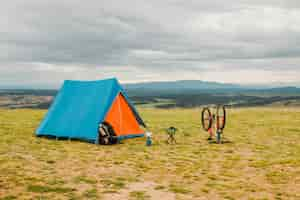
[[189, 86], [181, 87], [182, 84]]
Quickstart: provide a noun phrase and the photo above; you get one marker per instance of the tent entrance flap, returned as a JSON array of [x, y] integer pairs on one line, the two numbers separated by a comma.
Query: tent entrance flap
[[122, 118]]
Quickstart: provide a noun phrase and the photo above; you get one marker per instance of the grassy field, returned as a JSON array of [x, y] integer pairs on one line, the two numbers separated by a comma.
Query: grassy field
[[260, 159]]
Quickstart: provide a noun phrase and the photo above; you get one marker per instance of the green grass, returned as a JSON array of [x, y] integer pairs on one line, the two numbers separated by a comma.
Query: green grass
[[45, 189], [83, 179], [159, 187], [10, 197], [91, 194], [179, 189], [138, 195], [260, 159], [113, 184]]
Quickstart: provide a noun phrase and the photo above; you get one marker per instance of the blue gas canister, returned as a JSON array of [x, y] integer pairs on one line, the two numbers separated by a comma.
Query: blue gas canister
[[148, 139]]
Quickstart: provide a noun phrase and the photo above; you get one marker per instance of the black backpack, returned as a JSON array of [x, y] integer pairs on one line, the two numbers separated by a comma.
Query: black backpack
[[106, 134]]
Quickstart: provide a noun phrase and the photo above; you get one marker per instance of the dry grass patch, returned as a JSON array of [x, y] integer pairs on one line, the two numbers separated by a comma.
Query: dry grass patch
[[260, 159]]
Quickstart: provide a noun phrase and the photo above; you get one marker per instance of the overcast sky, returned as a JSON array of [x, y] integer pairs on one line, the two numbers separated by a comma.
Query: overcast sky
[[43, 42]]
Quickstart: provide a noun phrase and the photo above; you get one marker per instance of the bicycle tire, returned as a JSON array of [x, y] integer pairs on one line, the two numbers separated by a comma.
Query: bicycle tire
[[205, 118], [221, 119]]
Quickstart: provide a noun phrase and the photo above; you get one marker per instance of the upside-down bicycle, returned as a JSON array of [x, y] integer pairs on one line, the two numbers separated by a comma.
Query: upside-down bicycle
[[215, 121]]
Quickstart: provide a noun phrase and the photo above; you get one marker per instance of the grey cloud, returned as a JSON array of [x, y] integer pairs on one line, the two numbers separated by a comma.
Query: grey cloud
[[149, 36]]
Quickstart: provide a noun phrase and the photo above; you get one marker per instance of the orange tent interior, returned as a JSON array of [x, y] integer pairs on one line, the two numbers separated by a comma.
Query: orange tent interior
[[121, 118]]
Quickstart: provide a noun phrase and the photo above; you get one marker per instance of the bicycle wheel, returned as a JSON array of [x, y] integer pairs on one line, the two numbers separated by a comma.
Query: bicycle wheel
[[221, 117], [206, 119]]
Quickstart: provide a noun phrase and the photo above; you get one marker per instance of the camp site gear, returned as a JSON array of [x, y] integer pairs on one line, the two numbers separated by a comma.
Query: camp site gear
[[210, 131], [148, 140], [171, 135], [80, 106], [206, 119], [210, 121], [107, 134], [218, 135], [221, 117]]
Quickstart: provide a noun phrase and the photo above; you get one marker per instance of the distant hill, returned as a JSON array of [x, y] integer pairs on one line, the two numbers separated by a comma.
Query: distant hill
[[280, 91], [187, 93], [182, 85], [197, 86], [179, 87]]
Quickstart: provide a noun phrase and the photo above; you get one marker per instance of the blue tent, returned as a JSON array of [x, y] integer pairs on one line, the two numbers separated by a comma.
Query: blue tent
[[80, 106]]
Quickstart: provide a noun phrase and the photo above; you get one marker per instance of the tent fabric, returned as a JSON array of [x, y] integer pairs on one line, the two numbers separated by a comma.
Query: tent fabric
[[121, 117], [80, 106]]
